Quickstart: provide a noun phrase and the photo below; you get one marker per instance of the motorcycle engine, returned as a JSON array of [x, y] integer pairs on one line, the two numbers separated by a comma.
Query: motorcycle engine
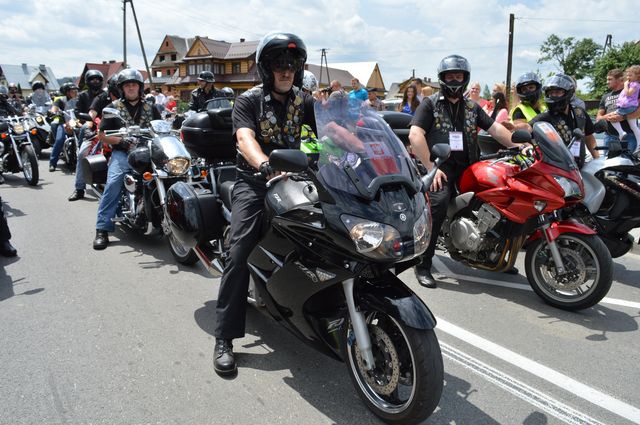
[[467, 234]]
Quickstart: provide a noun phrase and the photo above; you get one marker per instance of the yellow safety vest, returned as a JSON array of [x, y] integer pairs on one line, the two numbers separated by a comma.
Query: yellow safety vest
[[528, 111]]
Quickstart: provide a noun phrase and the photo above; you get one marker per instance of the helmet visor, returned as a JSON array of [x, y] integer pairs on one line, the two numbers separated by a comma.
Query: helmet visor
[[286, 62]]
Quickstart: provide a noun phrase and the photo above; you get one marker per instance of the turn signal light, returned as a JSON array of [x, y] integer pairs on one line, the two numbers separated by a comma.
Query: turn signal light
[[147, 176], [203, 173], [3, 135], [34, 131]]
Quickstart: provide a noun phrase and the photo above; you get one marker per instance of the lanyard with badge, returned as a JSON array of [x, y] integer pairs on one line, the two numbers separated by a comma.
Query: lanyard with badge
[[456, 140], [575, 147]]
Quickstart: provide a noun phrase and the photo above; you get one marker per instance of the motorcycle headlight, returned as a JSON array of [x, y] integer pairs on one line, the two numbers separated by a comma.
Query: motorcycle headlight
[[39, 120], [421, 233], [571, 188], [373, 239], [18, 128], [177, 166]]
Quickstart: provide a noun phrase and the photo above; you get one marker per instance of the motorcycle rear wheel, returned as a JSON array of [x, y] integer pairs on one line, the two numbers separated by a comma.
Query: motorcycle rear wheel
[[589, 266], [406, 384], [29, 165]]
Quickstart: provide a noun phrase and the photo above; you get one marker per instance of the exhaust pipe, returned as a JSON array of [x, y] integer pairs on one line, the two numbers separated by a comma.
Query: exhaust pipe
[[214, 267]]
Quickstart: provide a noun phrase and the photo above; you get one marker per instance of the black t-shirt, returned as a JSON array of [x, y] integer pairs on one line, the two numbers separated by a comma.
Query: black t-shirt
[[100, 102], [608, 103], [246, 114], [85, 99], [134, 110], [565, 123], [425, 119]]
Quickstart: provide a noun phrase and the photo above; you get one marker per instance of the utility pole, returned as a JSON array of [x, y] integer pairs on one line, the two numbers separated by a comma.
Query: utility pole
[[124, 33], [510, 56], [607, 43], [144, 55], [323, 59]]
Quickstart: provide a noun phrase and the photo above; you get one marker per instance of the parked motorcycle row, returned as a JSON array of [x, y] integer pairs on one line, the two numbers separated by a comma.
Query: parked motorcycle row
[[342, 225]]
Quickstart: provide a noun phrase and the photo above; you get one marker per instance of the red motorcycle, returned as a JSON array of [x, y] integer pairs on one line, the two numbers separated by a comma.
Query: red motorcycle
[[508, 202]]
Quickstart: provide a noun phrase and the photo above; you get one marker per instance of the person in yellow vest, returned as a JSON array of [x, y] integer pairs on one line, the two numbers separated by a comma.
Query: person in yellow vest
[[528, 89]]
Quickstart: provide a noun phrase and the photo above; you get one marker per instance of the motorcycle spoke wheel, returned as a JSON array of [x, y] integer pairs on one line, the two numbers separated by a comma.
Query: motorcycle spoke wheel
[[181, 253], [588, 271], [29, 165]]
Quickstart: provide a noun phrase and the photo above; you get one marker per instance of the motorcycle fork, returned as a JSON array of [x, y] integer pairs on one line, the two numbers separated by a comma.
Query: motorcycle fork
[[553, 246], [359, 325]]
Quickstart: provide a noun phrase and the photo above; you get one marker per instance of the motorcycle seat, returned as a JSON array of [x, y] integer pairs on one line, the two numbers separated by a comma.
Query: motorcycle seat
[[226, 189]]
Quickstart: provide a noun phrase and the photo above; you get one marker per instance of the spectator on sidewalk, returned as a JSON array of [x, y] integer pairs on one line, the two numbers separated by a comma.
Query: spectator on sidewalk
[[410, 101], [358, 92]]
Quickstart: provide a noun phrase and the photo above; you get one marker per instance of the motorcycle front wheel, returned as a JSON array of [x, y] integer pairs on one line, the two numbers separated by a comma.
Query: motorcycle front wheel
[[181, 253], [406, 383], [588, 276], [29, 165]]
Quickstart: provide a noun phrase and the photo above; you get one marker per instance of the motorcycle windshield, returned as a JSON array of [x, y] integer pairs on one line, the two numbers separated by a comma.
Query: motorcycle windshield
[[358, 150], [168, 147], [161, 126], [554, 151]]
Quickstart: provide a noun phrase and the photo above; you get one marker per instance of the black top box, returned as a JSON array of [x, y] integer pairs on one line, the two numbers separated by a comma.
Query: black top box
[[208, 135]]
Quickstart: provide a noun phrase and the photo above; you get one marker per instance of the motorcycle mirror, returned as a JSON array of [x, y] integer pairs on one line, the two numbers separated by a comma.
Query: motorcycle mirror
[[85, 117], [578, 134], [291, 160], [600, 126], [441, 151], [521, 136], [111, 113]]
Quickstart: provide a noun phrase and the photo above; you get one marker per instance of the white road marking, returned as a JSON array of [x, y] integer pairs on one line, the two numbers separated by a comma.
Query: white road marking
[[442, 268], [508, 383], [579, 389]]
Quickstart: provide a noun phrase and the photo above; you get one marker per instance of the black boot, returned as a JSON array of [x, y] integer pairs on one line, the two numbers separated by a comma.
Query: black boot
[[224, 361], [102, 239], [425, 278], [7, 250], [77, 194]]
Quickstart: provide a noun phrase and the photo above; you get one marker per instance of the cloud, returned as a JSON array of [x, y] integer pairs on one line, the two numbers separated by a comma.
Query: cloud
[[415, 36]]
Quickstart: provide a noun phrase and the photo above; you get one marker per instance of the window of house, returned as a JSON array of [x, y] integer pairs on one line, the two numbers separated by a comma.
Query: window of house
[[168, 73], [235, 68], [161, 58], [192, 69], [158, 73], [218, 68], [166, 43], [173, 57]]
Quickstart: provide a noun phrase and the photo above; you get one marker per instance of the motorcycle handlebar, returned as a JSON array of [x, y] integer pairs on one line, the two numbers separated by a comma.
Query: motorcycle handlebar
[[502, 153]]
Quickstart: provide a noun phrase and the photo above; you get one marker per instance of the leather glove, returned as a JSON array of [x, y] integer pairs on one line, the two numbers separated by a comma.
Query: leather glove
[[266, 169], [127, 142]]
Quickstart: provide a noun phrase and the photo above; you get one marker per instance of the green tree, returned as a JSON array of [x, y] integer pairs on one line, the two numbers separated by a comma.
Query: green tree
[[573, 57], [486, 93], [619, 57]]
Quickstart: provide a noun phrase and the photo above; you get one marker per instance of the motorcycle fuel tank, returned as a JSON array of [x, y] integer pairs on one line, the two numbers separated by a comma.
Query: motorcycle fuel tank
[[486, 175]]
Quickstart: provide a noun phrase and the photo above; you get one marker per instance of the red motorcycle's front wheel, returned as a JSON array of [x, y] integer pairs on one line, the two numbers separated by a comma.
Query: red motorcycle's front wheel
[[588, 271]]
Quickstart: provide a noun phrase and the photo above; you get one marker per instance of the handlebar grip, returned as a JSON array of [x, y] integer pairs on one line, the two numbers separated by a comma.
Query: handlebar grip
[[491, 156]]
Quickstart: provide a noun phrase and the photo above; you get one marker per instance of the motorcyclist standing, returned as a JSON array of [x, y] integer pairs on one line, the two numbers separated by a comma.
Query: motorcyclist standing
[[67, 101], [565, 117], [265, 118], [93, 79], [134, 111], [205, 92], [528, 89], [448, 117]]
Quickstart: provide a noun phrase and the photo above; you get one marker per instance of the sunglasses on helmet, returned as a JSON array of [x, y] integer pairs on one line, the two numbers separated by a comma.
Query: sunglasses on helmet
[[285, 63]]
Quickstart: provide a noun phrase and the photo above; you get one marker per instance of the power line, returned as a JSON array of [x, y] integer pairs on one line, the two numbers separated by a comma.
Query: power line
[[579, 20]]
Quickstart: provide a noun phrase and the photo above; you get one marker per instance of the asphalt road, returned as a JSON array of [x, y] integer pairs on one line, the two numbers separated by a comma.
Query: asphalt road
[[124, 336]]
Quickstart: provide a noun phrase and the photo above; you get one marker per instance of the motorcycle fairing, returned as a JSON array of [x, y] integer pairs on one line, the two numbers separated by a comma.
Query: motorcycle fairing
[[559, 227]]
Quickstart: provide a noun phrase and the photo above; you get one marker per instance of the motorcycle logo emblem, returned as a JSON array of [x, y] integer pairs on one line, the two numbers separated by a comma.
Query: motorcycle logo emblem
[[403, 217]]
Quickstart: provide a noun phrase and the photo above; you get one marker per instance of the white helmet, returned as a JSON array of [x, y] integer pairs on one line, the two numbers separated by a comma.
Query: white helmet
[[309, 81]]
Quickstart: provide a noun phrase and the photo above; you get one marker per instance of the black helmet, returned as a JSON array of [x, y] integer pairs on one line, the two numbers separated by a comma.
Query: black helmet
[[130, 75], [206, 76], [66, 87], [112, 86], [94, 86], [528, 98], [559, 103], [150, 99], [227, 91], [281, 47], [4, 92], [37, 85], [13, 88], [454, 63]]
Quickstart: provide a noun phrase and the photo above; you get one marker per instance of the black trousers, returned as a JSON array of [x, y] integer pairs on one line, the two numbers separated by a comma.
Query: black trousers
[[5, 234], [247, 206], [439, 203]]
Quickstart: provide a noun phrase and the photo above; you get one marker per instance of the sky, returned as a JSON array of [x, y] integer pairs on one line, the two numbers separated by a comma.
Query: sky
[[403, 37]]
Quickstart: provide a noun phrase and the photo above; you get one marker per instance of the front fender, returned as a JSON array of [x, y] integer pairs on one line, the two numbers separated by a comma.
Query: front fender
[[391, 296], [559, 227]]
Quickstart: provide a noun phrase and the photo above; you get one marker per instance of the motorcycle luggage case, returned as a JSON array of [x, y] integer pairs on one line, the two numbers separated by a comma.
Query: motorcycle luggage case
[[194, 214], [94, 169], [208, 135], [399, 122]]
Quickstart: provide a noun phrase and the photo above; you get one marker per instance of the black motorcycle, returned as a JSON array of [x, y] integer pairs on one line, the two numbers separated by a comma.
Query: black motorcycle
[[336, 234], [16, 152]]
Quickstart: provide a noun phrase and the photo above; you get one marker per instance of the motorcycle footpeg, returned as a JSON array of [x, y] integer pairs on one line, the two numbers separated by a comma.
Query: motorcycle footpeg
[[117, 219]]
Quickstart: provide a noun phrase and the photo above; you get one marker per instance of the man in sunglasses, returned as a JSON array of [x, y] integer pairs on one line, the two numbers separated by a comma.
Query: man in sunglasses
[[205, 91], [266, 117]]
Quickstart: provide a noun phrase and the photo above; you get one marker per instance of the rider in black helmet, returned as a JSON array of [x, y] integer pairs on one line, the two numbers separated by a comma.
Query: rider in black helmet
[[448, 117], [65, 102], [528, 89], [6, 108], [265, 118], [204, 92], [565, 117]]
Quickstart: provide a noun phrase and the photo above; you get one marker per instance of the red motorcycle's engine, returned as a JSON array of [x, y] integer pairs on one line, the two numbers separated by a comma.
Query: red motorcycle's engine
[[475, 235]]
